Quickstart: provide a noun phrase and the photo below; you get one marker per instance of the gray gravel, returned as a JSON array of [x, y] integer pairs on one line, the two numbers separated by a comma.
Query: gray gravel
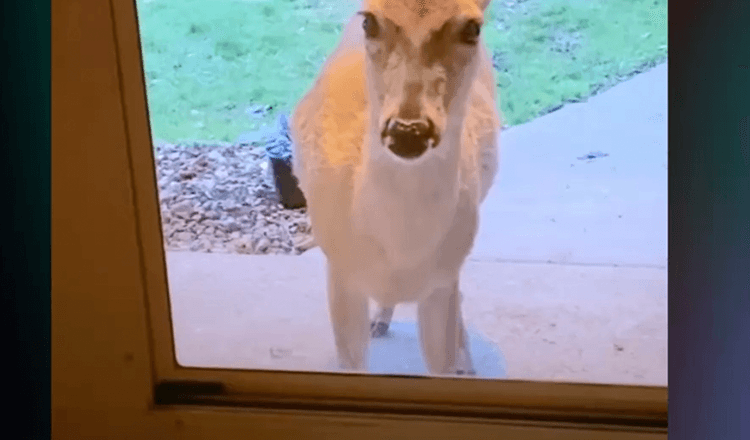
[[221, 198]]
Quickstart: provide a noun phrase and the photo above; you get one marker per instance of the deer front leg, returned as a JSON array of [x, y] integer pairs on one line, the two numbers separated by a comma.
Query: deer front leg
[[465, 364], [381, 322], [443, 334], [349, 317]]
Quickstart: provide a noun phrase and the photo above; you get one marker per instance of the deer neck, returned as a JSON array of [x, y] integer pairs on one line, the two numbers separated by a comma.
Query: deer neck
[[407, 207]]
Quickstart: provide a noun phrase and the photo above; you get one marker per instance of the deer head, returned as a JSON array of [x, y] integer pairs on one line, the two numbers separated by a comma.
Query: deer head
[[421, 59]]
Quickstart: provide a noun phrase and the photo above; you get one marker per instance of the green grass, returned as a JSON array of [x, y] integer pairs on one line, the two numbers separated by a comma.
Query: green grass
[[556, 51], [218, 68]]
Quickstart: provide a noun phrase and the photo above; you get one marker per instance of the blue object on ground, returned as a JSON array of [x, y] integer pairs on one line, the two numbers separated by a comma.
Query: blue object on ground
[[399, 352], [279, 152], [281, 146]]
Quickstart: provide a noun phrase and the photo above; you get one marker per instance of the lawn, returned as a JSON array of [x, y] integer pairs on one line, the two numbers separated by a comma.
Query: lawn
[[218, 68]]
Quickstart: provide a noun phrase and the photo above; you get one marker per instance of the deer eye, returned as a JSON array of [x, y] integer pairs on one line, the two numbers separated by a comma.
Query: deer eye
[[470, 32], [370, 25]]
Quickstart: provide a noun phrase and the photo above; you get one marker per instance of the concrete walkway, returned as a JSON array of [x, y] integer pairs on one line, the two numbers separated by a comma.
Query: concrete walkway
[[547, 205], [598, 314]]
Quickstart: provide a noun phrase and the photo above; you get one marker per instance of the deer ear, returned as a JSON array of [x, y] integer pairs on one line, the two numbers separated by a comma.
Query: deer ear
[[483, 4]]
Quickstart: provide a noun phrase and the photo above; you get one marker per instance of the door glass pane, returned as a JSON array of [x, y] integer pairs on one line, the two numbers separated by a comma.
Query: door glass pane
[[566, 279]]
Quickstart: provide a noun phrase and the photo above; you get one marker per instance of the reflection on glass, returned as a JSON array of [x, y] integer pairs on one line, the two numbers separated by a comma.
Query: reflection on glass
[[566, 279]]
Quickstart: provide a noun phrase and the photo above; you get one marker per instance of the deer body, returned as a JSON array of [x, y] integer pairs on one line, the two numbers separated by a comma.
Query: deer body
[[394, 169]]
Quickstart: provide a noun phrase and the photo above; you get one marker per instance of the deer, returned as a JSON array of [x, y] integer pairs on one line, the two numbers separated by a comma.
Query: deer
[[395, 147]]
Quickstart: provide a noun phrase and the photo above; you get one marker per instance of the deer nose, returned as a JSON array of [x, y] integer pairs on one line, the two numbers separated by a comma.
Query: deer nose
[[409, 139]]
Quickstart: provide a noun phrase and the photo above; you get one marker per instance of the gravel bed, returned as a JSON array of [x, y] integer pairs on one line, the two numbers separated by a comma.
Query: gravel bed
[[222, 198]]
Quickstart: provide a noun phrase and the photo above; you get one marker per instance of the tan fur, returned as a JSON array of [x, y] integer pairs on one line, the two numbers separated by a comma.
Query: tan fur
[[397, 231]]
